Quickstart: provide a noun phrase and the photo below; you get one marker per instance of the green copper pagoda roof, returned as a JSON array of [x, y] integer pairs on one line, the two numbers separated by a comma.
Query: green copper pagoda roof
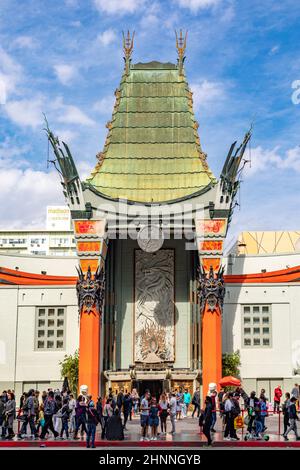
[[152, 152]]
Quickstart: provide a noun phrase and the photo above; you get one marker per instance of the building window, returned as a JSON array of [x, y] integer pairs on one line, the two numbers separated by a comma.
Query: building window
[[256, 326], [50, 328]]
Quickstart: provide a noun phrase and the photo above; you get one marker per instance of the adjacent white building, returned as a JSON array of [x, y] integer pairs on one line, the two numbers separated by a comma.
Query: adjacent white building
[[56, 240]]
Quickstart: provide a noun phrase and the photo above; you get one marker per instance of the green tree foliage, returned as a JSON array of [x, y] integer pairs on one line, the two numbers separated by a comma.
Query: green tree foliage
[[231, 364], [69, 368]]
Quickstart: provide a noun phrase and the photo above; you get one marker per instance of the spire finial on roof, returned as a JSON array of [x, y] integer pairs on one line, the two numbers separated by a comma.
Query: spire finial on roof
[[128, 48], [180, 46]]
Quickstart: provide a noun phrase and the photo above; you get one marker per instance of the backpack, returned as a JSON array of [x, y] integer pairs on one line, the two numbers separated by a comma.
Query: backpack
[[49, 407]]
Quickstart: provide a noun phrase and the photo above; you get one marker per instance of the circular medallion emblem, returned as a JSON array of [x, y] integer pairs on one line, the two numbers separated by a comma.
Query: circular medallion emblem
[[150, 238]]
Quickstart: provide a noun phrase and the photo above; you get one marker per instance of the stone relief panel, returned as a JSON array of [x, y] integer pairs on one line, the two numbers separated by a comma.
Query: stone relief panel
[[154, 306]]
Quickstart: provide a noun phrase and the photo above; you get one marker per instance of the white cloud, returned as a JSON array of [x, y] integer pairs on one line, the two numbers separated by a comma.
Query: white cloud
[[105, 105], [205, 92], [10, 154], [28, 192], [26, 112], [107, 37], [118, 7], [195, 5], [24, 42], [66, 135], [265, 160], [65, 73], [70, 114], [10, 75]]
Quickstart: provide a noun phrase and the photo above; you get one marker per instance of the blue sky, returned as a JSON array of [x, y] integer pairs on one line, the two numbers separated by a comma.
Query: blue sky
[[64, 58]]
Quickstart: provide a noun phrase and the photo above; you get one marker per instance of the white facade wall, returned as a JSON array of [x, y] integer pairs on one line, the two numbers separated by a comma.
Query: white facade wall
[[20, 362]]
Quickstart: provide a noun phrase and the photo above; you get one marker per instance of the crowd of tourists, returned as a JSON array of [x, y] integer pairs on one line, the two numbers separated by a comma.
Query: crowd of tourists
[[62, 415], [257, 408]]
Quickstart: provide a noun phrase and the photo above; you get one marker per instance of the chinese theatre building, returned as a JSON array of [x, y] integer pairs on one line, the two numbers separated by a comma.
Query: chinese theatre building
[[150, 223]]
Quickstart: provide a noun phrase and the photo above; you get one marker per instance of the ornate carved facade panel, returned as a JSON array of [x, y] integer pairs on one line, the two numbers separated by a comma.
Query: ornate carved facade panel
[[154, 334]]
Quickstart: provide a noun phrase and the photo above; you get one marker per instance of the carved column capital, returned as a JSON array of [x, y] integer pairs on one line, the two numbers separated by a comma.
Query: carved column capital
[[90, 291], [211, 290]]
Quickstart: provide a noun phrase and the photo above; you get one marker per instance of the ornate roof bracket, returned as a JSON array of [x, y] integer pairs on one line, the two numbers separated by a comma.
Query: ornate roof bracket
[[67, 170], [128, 48], [180, 46], [232, 166]]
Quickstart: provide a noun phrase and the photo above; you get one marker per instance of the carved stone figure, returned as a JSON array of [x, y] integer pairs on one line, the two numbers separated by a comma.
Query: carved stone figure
[[154, 306], [90, 290], [211, 289]]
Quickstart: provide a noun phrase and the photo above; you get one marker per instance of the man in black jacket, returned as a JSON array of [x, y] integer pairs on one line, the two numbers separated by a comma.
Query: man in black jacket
[[293, 420]]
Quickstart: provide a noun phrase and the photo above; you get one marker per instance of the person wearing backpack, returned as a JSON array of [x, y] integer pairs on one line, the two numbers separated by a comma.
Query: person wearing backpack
[[92, 421], [29, 416], [80, 410], [49, 411]]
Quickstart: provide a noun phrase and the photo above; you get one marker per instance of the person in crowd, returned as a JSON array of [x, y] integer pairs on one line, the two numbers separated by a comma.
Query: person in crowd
[[36, 400], [236, 411], [277, 398], [99, 409], [49, 411], [207, 420], [41, 420], [80, 411], [286, 412], [295, 393], [229, 418], [186, 402], [58, 407], [213, 396], [263, 411], [115, 431], [92, 421], [4, 396], [112, 397], [252, 404], [173, 411], [153, 418], [163, 413], [108, 411], [72, 406], [28, 416], [179, 398], [127, 406], [120, 399], [2, 417], [44, 396], [293, 418], [135, 401], [10, 415], [64, 414], [144, 416], [196, 402]]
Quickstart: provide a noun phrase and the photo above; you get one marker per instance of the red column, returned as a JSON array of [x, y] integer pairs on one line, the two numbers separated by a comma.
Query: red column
[[211, 348], [89, 352]]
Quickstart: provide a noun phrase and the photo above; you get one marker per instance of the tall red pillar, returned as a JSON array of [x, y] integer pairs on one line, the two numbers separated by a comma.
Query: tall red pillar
[[211, 348], [89, 351]]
